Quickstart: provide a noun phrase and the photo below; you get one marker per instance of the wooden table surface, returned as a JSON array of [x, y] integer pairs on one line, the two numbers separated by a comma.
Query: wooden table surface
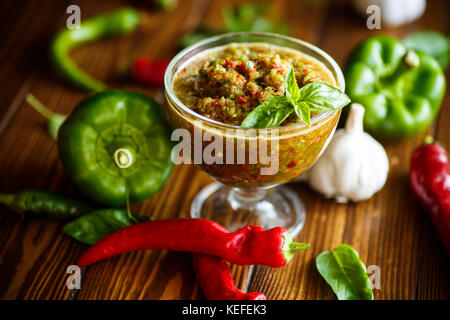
[[390, 230]]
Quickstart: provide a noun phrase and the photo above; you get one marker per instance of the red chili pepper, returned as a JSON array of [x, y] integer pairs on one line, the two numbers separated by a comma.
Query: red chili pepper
[[246, 246], [429, 178], [149, 72], [216, 281]]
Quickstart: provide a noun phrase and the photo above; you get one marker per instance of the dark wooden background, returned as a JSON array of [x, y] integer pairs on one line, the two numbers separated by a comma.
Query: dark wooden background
[[390, 230]]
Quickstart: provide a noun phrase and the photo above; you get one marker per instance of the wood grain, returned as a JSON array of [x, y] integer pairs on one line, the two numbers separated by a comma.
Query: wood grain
[[390, 230]]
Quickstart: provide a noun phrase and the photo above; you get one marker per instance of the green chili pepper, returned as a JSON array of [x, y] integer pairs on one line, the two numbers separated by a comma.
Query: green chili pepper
[[401, 89], [46, 204], [116, 147], [117, 22]]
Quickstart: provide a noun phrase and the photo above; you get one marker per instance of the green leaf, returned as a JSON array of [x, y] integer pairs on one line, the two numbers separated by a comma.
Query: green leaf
[[269, 114], [430, 42], [315, 97], [92, 227], [292, 89], [345, 273], [321, 97], [303, 112]]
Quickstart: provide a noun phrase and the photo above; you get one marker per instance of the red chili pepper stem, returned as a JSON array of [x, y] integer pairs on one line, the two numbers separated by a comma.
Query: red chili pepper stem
[[290, 247]]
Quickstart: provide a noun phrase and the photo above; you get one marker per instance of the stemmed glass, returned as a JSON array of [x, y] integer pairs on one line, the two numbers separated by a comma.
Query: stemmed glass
[[246, 191]]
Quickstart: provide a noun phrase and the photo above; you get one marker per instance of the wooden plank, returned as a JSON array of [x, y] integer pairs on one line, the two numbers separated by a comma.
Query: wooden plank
[[390, 230]]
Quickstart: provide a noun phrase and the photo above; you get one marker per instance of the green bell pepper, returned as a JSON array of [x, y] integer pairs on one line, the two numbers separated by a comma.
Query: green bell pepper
[[401, 89], [116, 147]]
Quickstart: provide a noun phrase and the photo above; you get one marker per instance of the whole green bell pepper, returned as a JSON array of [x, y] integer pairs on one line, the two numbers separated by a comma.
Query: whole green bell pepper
[[115, 146], [401, 89]]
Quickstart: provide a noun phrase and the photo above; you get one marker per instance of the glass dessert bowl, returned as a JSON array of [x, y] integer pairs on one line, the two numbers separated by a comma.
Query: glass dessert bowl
[[249, 164]]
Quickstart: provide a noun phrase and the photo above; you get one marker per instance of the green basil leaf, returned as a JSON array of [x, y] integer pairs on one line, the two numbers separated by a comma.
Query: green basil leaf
[[92, 227], [431, 42], [269, 114], [292, 89], [321, 97], [345, 273], [303, 112]]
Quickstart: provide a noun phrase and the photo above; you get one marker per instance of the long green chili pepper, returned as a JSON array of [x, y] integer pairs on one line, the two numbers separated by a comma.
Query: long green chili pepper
[[46, 204], [117, 22]]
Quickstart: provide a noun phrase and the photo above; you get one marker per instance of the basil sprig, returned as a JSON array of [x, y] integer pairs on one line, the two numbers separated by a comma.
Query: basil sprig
[[345, 273], [313, 97]]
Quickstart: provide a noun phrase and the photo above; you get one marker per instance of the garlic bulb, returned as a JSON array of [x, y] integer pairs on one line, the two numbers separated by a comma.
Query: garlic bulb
[[354, 166], [393, 12]]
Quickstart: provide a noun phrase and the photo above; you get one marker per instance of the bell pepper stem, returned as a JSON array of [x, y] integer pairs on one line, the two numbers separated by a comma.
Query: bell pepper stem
[[39, 107], [290, 247], [54, 120], [123, 158], [412, 60]]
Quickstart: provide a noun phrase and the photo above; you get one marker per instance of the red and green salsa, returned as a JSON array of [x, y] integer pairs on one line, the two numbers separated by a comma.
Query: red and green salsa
[[226, 84]]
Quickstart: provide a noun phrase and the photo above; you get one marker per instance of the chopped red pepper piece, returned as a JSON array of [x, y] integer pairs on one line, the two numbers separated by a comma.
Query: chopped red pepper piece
[[242, 99], [291, 164]]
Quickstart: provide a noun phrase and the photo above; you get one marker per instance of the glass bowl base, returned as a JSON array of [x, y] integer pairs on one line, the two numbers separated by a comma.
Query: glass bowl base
[[280, 207]]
